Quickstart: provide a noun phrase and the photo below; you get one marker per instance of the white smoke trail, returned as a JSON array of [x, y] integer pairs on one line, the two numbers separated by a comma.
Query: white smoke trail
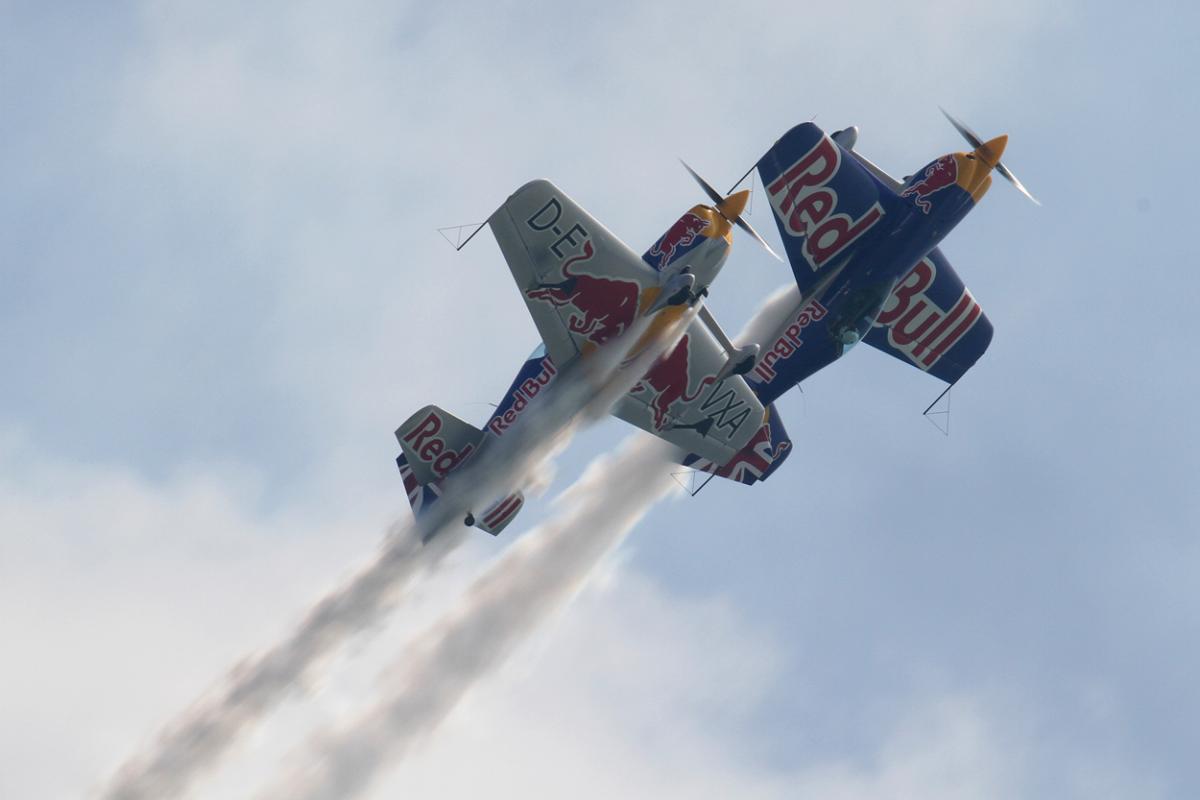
[[770, 316], [532, 580], [504, 606], [196, 742], [584, 393]]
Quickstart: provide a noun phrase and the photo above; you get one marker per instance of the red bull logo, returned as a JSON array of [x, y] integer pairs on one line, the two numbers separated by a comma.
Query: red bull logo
[[938, 175], [917, 327], [603, 307], [522, 396], [806, 205], [789, 341], [686, 230], [426, 444], [669, 381]]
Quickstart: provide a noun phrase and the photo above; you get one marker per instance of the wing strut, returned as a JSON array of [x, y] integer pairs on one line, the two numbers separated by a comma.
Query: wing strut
[[739, 181], [716, 331], [692, 486], [458, 242], [940, 419]]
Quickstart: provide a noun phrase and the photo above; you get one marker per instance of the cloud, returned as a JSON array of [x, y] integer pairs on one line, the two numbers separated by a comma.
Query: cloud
[[196, 741], [153, 591], [637, 692], [127, 597]]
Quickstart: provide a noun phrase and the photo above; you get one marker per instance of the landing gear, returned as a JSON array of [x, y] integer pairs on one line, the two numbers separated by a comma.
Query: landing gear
[[677, 291], [739, 362], [469, 520], [744, 359]]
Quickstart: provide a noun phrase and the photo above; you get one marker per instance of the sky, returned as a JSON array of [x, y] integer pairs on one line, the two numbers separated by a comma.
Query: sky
[[222, 290]]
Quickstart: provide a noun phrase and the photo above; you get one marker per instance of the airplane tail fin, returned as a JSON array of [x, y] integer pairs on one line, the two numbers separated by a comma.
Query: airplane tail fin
[[420, 495], [435, 443], [825, 203]]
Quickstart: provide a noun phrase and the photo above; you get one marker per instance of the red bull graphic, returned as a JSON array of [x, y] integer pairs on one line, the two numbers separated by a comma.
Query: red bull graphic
[[752, 462], [757, 459], [938, 175], [669, 380], [806, 204], [916, 326], [686, 230], [603, 307], [789, 341], [424, 442], [524, 392]]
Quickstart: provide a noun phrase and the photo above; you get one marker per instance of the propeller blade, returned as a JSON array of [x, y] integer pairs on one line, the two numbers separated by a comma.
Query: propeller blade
[[976, 143], [1007, 173], [712, 193], [967, 133], [741, 223], [720, 203]]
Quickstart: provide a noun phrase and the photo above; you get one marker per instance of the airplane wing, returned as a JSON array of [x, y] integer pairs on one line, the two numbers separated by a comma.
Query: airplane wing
[[582, 284], [932, 322], [681, 400], [825, 203], [765, 453]]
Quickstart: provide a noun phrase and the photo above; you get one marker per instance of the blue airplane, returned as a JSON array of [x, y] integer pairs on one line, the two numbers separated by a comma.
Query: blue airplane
[[863, 248]]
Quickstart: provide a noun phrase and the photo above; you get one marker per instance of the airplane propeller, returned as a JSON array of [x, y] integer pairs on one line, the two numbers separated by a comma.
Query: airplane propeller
[[728, 208], [978, 143]]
